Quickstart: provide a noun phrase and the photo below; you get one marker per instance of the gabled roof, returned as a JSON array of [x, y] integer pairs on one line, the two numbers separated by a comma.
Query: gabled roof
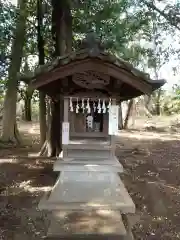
[[92, 56]]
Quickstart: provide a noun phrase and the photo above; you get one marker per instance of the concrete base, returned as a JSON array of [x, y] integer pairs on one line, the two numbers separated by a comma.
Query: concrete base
[[89, 197]]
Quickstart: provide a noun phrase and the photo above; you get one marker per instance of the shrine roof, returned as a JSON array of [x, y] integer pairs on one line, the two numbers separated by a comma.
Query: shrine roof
[[91, 50], [86, 53], [83, 54]]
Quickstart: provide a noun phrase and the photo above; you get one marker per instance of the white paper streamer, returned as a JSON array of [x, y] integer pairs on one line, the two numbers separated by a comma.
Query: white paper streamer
[[94, 106], [88, 106], [82, 105], [77, 106], [99, 106], [109, 105], [104, 107]]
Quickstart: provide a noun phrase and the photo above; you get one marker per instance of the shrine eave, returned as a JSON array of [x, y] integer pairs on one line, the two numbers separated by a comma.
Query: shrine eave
[[84, 60]]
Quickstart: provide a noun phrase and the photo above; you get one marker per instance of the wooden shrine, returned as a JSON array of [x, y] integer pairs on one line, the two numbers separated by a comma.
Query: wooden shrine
[[89, 200]]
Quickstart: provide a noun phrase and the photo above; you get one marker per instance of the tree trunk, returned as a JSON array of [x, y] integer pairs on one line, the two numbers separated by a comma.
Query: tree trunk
[[147, 111], [52, 145], [9, 115], [27, 105], [27, 109], [130, 105], [158, 107], [27, 112], [42, 96], [55, 135], [62, 38]]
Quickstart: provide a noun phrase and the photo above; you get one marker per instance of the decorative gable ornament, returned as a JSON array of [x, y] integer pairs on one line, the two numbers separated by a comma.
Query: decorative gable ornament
[[91, 79]]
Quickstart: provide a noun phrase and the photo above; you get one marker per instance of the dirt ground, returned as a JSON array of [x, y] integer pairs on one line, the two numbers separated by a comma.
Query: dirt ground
[[151, 159]]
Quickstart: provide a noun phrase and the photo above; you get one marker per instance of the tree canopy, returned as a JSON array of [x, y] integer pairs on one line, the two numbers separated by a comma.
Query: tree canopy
[[122, 25], [131, 29]]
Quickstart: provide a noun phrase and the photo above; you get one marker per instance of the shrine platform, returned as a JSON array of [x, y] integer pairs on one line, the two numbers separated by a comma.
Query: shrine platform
[[87, 204]]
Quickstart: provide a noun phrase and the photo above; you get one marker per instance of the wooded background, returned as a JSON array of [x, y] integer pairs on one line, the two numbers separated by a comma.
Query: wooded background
[[35, 31]]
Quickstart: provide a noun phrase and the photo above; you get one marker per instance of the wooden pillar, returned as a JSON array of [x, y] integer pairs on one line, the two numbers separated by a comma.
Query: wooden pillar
[[66, 119], [71, 122], [120, 119]]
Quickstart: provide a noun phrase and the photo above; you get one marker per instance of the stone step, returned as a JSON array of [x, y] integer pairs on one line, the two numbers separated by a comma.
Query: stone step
[[86, 224], [88, 190], [95, 146], [88, 164], [74, 165], [88, 153], [91, 141]]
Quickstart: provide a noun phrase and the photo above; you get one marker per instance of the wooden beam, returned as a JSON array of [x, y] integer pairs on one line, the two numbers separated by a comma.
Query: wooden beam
[[128, 78], [94, 65], [58, 73]]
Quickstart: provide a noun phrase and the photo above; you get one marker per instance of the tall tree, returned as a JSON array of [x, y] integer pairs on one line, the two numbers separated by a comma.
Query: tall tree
[[62, 36], [7, 20], [159, 56], [26, 93], [9, 116], [118, 23], [40, 40], [128, 113], [61, 30]]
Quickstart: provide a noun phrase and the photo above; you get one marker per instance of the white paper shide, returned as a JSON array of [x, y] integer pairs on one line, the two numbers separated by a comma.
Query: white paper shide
[[113, 119], [65, 133]]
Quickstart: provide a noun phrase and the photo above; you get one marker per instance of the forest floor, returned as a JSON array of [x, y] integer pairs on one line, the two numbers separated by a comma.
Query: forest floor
[[150, 155]]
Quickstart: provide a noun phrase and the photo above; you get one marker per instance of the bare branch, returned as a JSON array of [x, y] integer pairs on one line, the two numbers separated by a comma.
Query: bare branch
[[173, 20]]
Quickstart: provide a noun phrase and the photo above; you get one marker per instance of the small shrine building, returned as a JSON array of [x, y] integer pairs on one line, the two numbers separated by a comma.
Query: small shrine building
[[88, 80], [89, 199]]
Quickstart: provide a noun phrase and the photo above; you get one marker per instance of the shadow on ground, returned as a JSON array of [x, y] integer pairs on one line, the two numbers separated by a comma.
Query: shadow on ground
[[22, 183], [151, 174], [152, 177]]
